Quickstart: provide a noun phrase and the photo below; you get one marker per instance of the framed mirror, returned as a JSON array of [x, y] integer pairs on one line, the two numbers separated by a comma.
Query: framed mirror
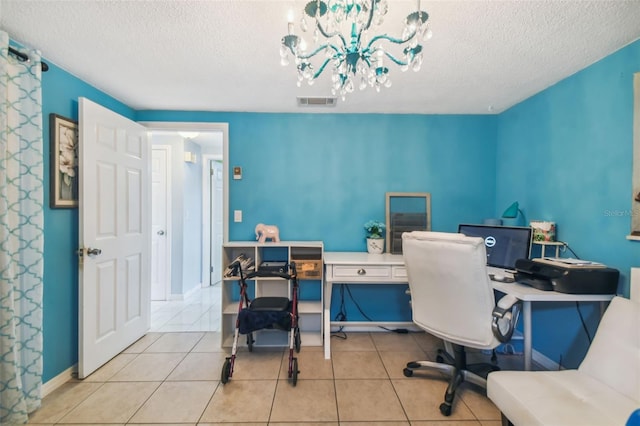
[[405, 212]]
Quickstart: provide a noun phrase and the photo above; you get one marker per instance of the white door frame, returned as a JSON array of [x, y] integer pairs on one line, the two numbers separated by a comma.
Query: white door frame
[[207, 216], [204, 127]]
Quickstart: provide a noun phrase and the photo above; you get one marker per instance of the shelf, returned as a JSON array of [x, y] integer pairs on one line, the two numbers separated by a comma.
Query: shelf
[[275, 338], [550, 243], [310, 309], [544, 244], [307, 307]]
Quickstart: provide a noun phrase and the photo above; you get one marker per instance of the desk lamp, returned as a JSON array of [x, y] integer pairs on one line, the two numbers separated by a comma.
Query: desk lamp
[[513, 212]]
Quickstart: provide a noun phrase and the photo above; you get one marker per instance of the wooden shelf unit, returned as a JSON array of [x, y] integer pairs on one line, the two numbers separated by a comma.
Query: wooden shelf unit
[[310, 296]]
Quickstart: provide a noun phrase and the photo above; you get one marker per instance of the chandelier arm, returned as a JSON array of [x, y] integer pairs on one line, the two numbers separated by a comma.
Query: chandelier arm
[[324, 64], [390, 39], [318, 50], [396, 60], [329, 36], [370, 19]]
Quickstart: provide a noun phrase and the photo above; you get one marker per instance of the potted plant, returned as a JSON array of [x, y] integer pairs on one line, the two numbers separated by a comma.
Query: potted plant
[[375, 239]]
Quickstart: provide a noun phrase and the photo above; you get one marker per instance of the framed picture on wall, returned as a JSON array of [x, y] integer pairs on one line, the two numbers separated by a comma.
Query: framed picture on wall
[[64, 162]]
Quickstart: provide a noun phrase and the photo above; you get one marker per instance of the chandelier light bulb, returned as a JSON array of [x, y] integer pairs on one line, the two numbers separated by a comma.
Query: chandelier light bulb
[[343, 44]]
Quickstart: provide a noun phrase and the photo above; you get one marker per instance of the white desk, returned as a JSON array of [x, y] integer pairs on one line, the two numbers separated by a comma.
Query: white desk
[[529, 294], [359, 268], [364, 268]]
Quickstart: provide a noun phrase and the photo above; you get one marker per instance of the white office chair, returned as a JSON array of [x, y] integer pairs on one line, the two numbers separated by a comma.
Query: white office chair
[[603, 391], [452, 298]]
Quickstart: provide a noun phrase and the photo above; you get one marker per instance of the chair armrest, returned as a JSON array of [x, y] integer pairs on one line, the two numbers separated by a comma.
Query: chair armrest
[[505, 317]]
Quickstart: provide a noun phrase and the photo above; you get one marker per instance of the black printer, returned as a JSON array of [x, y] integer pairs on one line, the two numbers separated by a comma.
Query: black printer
[[564, 277]]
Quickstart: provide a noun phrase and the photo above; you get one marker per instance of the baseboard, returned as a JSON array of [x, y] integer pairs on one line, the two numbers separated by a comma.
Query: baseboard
[[370, 328], [58, 380], [545, 362]]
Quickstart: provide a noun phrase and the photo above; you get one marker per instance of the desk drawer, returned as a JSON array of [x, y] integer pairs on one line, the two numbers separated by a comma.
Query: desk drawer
[[361, 271], [400, 272]]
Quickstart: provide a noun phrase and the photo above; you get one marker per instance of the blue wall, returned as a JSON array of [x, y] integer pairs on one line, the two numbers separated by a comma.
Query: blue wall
[[321, 177], [566, 155]]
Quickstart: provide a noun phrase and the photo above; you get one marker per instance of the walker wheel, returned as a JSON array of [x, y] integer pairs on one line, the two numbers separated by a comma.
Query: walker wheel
[[294, 372], [445, 409], [297, 339], [226, 371], [407, 372]]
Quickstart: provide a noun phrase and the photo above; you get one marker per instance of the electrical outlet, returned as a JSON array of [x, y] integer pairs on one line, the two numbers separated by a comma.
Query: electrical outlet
[[237, 215]]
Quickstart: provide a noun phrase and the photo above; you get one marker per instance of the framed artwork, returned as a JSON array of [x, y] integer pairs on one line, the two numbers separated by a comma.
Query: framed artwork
[[64, 162], [406, 212]]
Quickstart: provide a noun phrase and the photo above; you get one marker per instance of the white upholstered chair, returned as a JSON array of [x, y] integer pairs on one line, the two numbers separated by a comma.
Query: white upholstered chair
[[452, 298], [603, 391]]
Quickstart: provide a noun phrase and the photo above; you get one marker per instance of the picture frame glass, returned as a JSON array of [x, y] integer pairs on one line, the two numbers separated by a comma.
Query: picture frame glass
[[406, 212]]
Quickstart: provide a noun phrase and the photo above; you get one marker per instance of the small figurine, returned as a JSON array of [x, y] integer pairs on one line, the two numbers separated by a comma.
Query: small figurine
[[267, 231]]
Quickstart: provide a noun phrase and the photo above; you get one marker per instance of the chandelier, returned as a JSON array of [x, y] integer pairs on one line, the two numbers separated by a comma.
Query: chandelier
[[354, 56]]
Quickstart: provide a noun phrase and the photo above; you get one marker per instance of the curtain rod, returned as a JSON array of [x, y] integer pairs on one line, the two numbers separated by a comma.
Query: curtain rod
[[24, 58]]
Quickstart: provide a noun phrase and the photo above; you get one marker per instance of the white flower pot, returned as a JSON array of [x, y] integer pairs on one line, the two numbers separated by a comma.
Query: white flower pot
[[375, 245]]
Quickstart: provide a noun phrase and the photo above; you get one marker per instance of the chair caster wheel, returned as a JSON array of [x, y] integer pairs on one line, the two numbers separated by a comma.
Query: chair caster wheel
[[407, 372], [439, 359], [445, 409]]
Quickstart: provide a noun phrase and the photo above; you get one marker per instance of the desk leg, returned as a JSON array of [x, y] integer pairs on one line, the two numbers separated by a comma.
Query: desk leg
[[327, 319], [526, 325]]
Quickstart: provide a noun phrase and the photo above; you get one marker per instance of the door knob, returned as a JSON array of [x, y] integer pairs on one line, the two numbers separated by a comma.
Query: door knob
[[161, 232], [93, 251]]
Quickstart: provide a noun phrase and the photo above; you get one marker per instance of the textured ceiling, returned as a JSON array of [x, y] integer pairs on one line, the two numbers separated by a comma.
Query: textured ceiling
[[484, 57]]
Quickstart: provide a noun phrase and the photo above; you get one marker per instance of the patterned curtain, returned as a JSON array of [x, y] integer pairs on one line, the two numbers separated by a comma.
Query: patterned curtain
[[21, 235]]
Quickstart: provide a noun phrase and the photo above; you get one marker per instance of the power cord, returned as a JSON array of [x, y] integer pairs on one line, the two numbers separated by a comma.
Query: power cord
[[342, 314], [584, 324]]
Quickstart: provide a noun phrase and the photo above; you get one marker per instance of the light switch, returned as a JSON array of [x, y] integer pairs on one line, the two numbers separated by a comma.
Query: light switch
[[237, 172], [237, 215]]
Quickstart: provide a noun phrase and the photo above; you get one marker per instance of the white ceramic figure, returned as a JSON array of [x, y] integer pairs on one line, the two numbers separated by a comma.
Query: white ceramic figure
[[267, 231]]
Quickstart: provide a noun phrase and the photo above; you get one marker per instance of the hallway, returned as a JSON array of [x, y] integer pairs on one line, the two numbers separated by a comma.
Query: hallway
[[199, 311]]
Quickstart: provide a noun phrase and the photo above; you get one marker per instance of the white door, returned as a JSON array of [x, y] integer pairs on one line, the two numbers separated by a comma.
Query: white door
[[114, 235], [160, 202], [217, 189]]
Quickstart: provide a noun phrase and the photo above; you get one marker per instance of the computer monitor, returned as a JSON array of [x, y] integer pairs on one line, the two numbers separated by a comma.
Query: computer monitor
[[504, 244]]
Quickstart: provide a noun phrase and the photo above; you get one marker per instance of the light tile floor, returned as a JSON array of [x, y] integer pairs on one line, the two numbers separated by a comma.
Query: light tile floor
[[199, 311], [174, 378]]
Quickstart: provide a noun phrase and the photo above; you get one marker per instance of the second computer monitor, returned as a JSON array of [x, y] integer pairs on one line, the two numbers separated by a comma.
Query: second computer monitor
[[504, 244]]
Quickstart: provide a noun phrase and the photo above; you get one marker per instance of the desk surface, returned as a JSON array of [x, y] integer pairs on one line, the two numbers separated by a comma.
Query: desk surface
[[521, 291], [530, 294]]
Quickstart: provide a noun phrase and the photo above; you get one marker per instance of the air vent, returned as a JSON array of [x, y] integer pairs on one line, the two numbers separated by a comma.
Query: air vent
[[317, 101]]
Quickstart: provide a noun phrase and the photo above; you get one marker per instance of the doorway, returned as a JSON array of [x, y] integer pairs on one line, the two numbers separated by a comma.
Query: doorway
[[197, 228]]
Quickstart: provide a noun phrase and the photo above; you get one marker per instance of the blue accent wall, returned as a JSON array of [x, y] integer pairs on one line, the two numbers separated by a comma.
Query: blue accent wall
[[566, 155], [322, 176]]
